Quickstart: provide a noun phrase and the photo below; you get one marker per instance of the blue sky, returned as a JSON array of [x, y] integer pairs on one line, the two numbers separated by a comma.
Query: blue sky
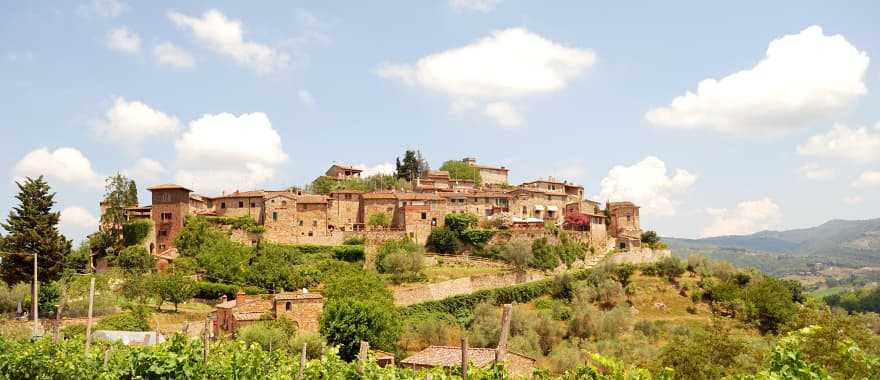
[[237, 95]]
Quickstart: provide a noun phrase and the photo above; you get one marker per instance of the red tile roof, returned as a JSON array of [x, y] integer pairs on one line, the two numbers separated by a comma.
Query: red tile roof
[[167, 186], [380, 195], [311, 199]]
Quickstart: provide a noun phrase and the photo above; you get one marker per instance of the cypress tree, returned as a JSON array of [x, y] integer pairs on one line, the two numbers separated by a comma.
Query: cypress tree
[[33, 227]]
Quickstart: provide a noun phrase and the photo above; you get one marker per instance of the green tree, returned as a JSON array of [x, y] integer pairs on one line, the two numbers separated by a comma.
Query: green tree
[[119, 193], [544, 254], [348, 321], [460, 221], [224, 260], [518, 254], [412, 166], [33, 228], [442, 240], [323, 185], [769, 304], [172, 287], [197, 232], [462, 170], [650, 238], [134, 259]]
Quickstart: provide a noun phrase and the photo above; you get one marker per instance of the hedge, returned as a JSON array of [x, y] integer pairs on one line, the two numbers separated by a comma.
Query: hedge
[[213, 290], [350, 253], [463, 304]]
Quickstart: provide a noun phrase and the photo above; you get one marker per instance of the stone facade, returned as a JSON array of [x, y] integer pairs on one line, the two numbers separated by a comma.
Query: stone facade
[[303, 308], [625, 225], [345, 212], [490, 175], [337, 171], [171, 205]]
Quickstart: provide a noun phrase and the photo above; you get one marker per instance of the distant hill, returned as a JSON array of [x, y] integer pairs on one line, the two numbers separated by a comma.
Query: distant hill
[[849, 243]]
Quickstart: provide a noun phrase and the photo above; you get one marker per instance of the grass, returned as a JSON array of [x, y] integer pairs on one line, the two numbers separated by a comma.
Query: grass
[[169, 321], [651, 292]]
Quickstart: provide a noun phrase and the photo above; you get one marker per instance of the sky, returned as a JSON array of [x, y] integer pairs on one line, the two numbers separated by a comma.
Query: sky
[[715, 118]]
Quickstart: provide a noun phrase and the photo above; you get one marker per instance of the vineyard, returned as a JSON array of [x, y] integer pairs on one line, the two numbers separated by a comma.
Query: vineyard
[[181, 358]]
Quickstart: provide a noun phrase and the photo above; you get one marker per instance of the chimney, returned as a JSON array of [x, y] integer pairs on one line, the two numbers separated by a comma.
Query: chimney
[[240, 297], [223, 299]]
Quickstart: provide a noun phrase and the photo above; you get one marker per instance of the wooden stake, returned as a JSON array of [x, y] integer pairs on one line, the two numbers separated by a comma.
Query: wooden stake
[[36, 298], [206, 342], [464, 357], [302, 363], [57, 336], [501, 349], [362, 356], [89, 320]]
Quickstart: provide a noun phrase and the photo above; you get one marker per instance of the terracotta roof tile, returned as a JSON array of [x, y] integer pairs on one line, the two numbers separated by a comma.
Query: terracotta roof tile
[[297, 296], [380, 195], [450, 356], [167, 186], [311, 199], [243, 194]]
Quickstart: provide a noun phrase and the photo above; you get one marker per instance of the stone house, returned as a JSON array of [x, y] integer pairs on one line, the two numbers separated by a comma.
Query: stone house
[[311, 215], [537, 203], [624, 224], [338, 171], [380, 202], [517, 364], [240, 204], [171, 205], [590, 211], [303, 308], [345, 212], [491, 175]]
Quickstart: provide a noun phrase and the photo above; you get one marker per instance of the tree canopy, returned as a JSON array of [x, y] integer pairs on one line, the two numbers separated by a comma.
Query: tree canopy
[[412, 166], [33, 228], [462, 170]]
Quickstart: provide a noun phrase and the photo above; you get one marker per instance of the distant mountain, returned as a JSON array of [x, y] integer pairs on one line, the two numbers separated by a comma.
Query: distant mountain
[[851, 243]]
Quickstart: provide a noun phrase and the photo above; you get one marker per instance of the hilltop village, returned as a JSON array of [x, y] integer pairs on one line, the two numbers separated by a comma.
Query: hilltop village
[[295, 216]]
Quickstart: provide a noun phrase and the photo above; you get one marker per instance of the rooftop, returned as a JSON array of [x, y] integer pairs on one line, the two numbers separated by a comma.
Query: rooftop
[[450, 356], [167, 186]]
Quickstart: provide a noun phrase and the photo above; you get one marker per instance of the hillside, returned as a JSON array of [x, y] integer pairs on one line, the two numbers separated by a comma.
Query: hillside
[[846, 243]]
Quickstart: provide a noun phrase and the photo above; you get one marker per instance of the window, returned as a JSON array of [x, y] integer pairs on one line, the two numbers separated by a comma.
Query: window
[[163, 232], [283, 203], [166, 197], [222, 204], [166, 216], [314, 223], [424, 215], [287, 306], [253, 205], [300, 223], [629, 218], [311, 233], [240, 204], [162, 247], [524, 211], [274, 216], [347, 196]]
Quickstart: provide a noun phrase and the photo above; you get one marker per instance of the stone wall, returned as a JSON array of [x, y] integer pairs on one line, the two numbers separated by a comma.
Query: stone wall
[[642, 255]]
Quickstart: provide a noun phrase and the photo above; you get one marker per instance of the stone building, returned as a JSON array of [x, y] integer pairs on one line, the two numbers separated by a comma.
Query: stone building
[[380, 202], [491, 175], [303, 308], [345, 212], [593, 215], [518, 365], [624, 226], [240, 204], [337, 171], [171, 206]]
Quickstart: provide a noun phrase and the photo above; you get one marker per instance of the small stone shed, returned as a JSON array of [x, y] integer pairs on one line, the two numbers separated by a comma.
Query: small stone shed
[[303, 307]]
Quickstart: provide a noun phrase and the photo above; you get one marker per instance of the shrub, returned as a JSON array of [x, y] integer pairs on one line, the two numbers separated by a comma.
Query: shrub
[[403, 266], [404, 246], [648, 328], [315, 345], [355, 240], [563, 287], [132, 320], [669, 267], [11, 296], [443, 240], [212, 290], [134, 259], [350, 281], [768, 304], [196, 233], [460, 221], [622, 273], [518, 254], [70, 331], [650, 238], [379, 219], [135, 232], [173, 287], [477, 237], [349, 252], [544, 255], [267, 335]]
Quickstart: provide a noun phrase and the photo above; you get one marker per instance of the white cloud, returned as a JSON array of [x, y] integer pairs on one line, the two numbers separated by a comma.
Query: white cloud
[[857, 144], [132, 122], [124, 40], [747, 217], [853, 200], [76, 222], [170, 55], [227, 152], [306, 98], [815, 172], [483, 6], [66, 165], [78, 217], [145, 169], [804, 78], [869, 178], [504, 114], [226, 36], [386, 168], [101, 8], [507, 64], [647, 185]]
